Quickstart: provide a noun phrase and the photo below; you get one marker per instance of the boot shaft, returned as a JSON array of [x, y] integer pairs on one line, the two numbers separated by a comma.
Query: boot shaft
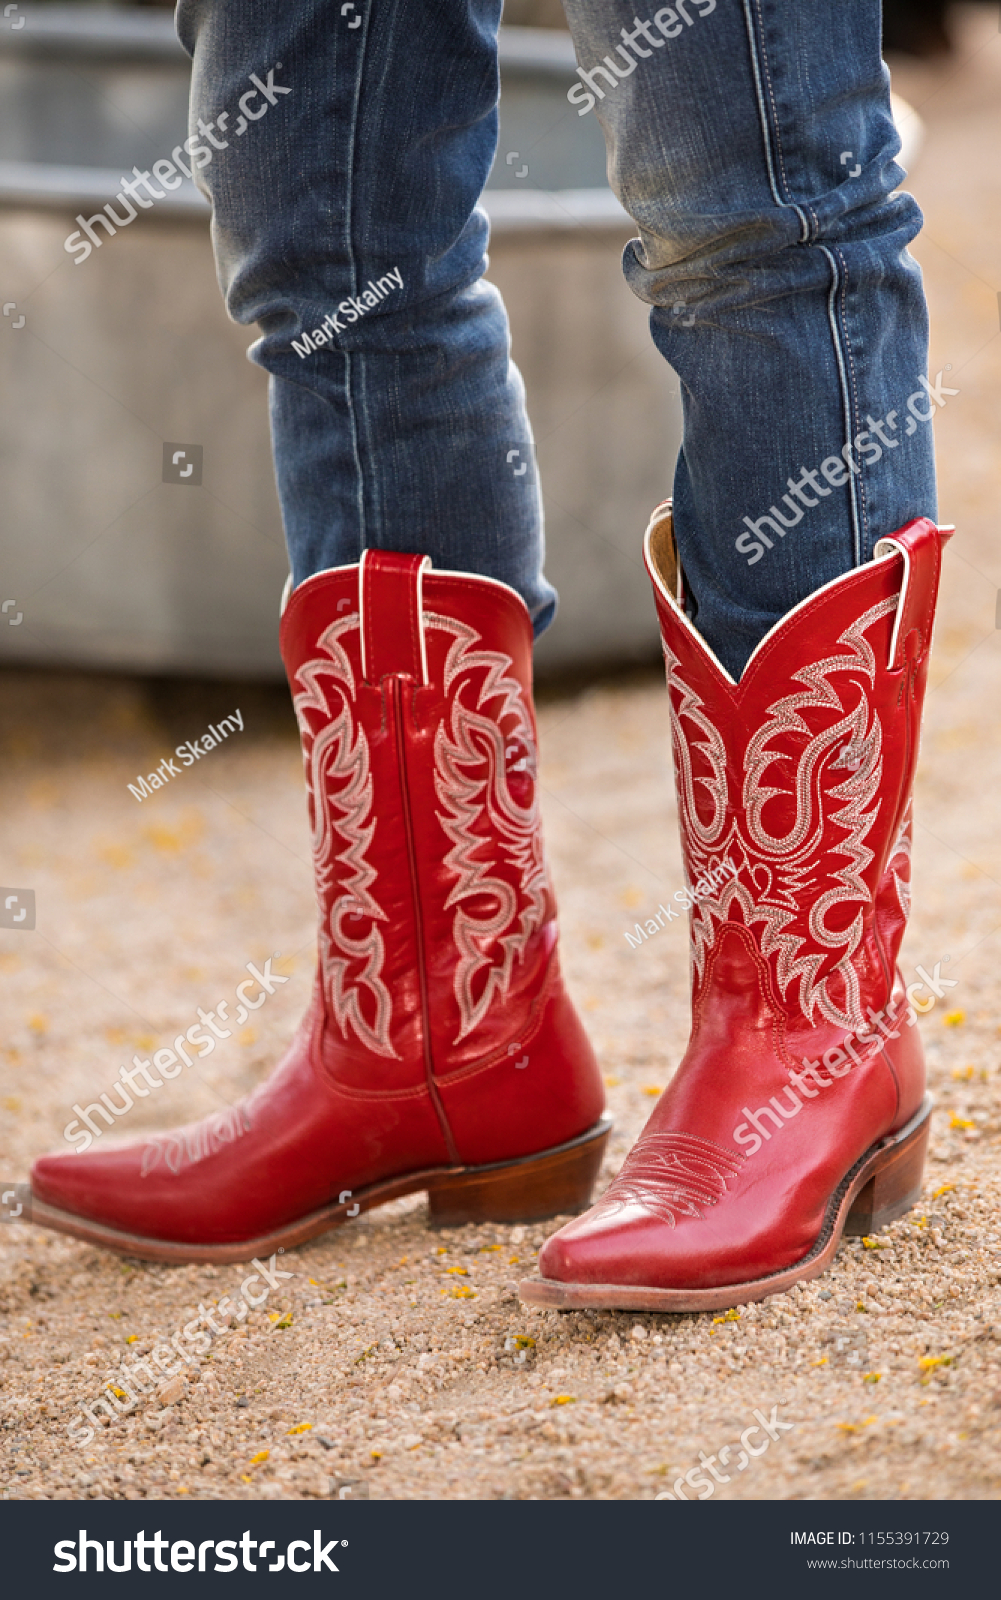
[[797, 780], [413, 693]]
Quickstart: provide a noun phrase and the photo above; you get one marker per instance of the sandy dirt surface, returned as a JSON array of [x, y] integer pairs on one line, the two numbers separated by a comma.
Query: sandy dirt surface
[[396, 1361]]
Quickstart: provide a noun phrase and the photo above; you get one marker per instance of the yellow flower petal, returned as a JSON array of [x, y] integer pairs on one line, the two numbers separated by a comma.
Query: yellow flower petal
[[728, 1316]]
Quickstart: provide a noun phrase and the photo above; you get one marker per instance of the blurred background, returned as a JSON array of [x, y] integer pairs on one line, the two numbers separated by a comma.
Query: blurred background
[[113, 567], [139, 603], [113, 557]]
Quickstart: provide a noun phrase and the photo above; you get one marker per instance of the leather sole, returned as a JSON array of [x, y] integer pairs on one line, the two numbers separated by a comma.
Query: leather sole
[[881, 1186], [555, 1182]]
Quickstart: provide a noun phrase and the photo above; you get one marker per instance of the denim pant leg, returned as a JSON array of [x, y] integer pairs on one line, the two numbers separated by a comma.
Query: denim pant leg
[[752, 143], [349, 213]]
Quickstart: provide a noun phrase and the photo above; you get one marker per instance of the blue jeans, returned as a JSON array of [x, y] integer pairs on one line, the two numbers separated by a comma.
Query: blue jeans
[[752, 143]]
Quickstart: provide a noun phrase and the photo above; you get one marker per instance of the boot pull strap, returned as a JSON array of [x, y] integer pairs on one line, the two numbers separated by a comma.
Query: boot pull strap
[[920, 543], [390, 600]]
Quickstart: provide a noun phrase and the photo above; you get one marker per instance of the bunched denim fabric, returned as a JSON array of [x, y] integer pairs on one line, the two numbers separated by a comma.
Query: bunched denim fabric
[[753, 144], [395, 434]]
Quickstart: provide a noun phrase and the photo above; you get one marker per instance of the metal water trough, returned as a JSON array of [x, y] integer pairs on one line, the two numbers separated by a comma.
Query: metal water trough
[[110, 566]]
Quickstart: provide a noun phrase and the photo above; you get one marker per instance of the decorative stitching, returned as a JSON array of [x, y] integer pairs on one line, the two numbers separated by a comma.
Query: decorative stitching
[[195, 1142], [713, 747], [856, 578], [339, 784], [527, 1035], [902, 875], [671, 1175], [781, 899], [470, 750]]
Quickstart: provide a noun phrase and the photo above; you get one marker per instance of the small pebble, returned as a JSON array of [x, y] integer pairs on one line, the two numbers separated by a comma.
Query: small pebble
[[172, 1391]]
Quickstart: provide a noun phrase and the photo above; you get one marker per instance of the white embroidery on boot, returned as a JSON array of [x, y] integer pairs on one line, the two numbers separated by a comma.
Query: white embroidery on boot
[[899, 863], [196, 1141], [672, 1175], [342, 829], [781, 895], [486, 715]]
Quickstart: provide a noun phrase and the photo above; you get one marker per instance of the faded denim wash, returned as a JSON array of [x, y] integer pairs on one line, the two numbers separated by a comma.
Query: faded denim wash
[[752, 143]]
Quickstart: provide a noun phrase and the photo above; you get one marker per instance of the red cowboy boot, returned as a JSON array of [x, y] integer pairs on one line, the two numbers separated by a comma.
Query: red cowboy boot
[[441, 1051], [799, 1110]]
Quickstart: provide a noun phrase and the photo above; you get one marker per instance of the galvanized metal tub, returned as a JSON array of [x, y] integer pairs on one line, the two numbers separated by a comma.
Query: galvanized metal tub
[[110, 566]]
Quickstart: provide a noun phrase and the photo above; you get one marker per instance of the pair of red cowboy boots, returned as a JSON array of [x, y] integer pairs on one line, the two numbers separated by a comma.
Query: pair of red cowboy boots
[[441, 1051]]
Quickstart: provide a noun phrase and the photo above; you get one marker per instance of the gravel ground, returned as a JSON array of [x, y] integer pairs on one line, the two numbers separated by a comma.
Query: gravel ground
[[396, 1361]]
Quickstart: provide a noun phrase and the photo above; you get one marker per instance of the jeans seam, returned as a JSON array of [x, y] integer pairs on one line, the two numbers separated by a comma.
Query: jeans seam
[[839, 275], [861, 523], [843, 349], [349, 396], [770, 126]]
